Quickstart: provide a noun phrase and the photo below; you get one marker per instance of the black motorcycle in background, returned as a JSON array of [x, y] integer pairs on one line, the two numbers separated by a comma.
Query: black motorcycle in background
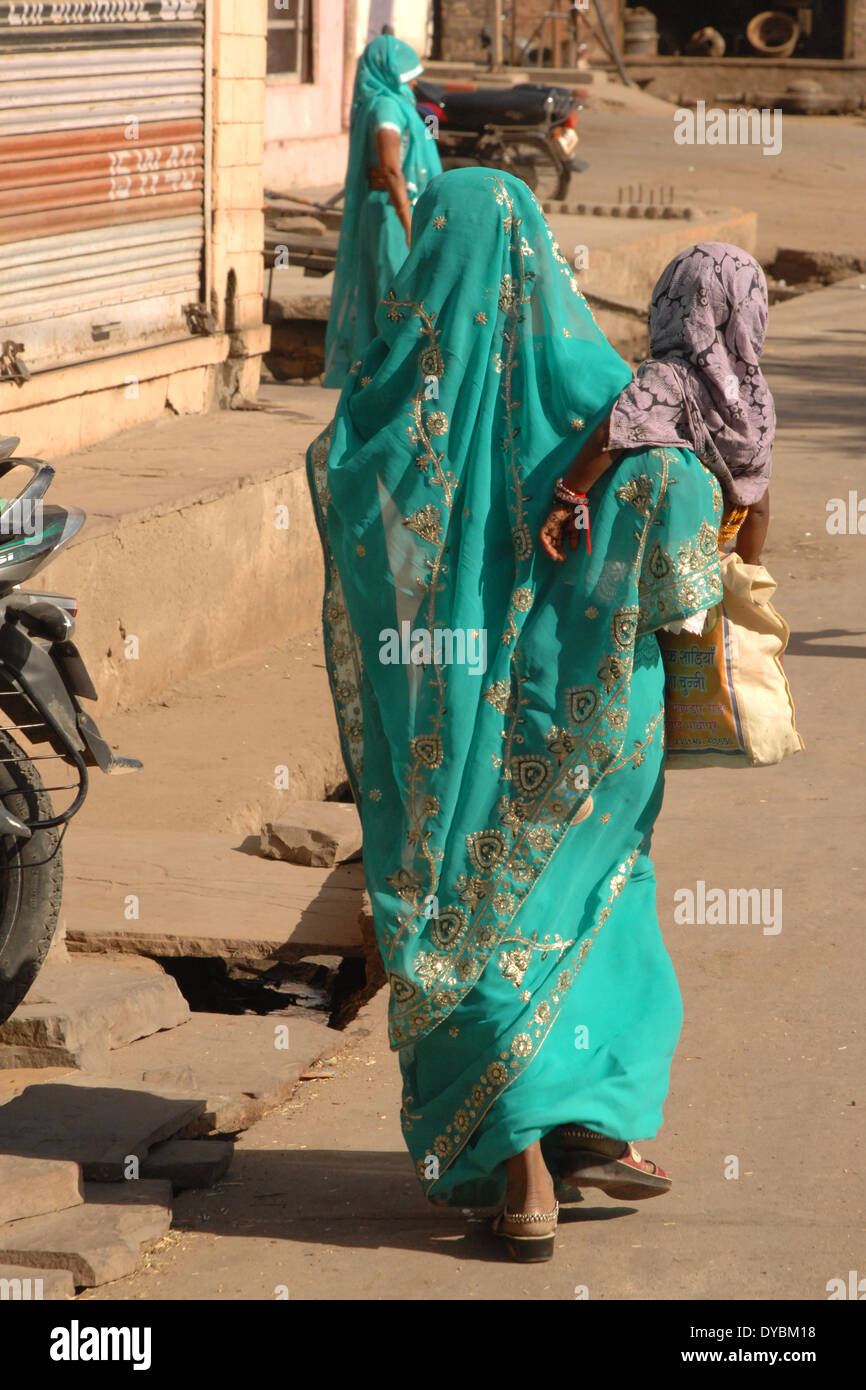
[[529, 130], [42, 682]]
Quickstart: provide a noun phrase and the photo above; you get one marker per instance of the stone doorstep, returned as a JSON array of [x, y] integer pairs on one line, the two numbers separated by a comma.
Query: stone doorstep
[[32, 1284], [204, 902], [102, 1237], [98, 1241], [96, 1122], [35, 1186], [237, 1069], [79, 1010], [320, 833]]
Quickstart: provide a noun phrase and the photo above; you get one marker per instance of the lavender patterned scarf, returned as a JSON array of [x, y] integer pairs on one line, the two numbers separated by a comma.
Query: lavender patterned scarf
[[702, 387]]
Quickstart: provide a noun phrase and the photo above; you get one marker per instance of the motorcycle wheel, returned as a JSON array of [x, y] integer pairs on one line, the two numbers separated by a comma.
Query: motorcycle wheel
[[31, 878]]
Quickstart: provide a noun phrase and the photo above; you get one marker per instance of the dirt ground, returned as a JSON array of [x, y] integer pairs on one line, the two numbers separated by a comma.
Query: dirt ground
[[810, 196]]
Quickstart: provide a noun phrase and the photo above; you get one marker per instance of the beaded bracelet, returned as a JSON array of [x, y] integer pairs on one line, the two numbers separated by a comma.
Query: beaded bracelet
[[580, 503], [565, 493]]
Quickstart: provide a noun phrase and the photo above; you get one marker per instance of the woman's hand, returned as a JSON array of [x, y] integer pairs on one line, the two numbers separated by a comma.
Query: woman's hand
[[559, 523]]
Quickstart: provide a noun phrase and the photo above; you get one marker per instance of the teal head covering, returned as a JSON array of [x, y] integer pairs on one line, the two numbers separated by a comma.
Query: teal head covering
[[484, 693], [386, 65], [381, 97]]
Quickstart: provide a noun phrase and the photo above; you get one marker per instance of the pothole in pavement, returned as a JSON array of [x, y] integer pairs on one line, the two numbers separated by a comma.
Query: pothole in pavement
[[331, 985]]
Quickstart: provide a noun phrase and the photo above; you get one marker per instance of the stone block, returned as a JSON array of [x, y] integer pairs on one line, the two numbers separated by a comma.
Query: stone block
[[98, 1124], [315, 833], [96, 1242], [77, 1012], [242, 1063], [34, 1186], [34, 1285], [189, 1162]]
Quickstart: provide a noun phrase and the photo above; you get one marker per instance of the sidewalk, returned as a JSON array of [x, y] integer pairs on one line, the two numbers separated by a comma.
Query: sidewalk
[[321, 1198]]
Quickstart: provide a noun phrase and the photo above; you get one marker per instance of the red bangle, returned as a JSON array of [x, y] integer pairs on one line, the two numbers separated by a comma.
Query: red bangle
[[565, 493]]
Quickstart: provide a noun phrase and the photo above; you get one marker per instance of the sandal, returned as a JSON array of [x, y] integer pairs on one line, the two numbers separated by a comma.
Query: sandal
[[613, 1165], [527, 1249]]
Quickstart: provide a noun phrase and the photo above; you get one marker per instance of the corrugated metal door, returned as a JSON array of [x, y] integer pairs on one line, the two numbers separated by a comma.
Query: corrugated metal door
[[103, 152]]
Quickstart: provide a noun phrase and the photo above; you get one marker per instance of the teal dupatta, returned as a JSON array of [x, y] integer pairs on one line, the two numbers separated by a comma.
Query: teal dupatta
[[501, 715], [372, 244]]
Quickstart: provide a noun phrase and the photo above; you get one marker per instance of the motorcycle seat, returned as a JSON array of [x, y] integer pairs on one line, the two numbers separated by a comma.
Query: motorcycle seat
[[529, 103]]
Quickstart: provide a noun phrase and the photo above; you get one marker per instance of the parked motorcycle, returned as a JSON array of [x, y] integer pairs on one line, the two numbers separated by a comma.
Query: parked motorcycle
[[42, 682], [529, 129]]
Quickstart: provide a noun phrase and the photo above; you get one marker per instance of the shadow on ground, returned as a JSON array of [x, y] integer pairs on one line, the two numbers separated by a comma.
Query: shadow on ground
[[803, 643], [357, 1200]]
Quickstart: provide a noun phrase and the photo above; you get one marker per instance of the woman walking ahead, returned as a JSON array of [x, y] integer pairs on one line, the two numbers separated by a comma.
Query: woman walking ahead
[[391, 160], [508, 803]]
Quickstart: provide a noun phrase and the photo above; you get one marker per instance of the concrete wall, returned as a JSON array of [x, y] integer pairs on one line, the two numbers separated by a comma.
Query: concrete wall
[[239, 59], [72, 407], [200, 543], [195, 584]]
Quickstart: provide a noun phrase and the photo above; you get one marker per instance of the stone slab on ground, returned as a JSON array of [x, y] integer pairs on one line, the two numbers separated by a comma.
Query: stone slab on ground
[[224, 1115], [34, 1284], [200, 895], [96, 1122], [34, 1186], [78, 1011], [98, 1241], [320, 833], [238, 1066], [135, 1195], [189, 1162]]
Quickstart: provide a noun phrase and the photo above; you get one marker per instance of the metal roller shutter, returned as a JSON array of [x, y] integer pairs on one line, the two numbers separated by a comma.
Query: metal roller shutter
[[104, 161]]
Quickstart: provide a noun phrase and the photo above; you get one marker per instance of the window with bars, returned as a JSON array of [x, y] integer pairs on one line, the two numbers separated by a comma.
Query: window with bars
[[290, 39]]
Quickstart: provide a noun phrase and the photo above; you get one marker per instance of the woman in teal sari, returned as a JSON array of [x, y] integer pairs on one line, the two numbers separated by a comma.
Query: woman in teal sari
[[392, 157], [501, 715]]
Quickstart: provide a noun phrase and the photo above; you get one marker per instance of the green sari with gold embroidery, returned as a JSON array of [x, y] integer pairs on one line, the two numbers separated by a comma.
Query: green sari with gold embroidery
[[501, 715]]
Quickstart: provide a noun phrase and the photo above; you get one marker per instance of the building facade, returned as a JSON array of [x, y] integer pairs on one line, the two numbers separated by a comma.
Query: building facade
[[313, 46], [831, 29], [131, 223], [527, 29]]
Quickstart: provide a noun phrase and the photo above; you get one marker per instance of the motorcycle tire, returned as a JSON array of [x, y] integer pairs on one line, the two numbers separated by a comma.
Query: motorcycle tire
[[31, 878]]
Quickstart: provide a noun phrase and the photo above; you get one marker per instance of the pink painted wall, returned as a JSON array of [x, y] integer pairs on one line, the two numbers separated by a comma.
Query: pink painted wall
[[305, 144]]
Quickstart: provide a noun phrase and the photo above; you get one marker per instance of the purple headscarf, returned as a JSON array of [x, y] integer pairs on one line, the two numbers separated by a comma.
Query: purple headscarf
[[702, 387]]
